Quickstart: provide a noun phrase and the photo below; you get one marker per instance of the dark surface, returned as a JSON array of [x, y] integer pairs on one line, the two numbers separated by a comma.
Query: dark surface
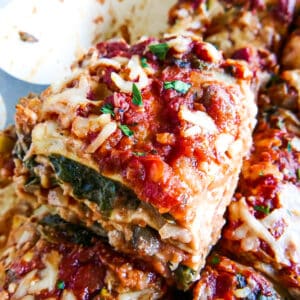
[[12, 89]]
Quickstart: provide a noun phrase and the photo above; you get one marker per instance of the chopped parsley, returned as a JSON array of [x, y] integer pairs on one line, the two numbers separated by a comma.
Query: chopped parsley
[[160, 50], [108, 109], [275, 79], [139, 153], [126, 130], [262, 208], [185, 276], [60, 285], [144, 62], [136, 96], [289, 147], [298, 174], [215, 260], [177, 85]]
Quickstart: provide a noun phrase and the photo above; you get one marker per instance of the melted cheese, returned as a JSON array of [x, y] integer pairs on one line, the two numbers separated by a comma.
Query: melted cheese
[[136, 72], [293, 78], [8, 199], [48, 276], [180, 43], [138, 295], [104, 134], [47, 140], [68, 295], [81, 126], [287, 247], [204, 124], [66, 102]]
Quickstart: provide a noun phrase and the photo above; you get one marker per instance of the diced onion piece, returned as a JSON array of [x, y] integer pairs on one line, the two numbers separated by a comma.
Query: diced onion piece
[[242, 293], [204, 124], [81, 126], [68, 295], [108, 62], [295, 143], [176, 233], [180, 43], [48, 275], [136, 73], [105, 133]]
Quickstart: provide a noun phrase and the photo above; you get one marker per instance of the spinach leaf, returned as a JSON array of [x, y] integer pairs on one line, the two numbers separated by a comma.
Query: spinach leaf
[[185, 276], [58, 229], [33, 180], [89, 184]]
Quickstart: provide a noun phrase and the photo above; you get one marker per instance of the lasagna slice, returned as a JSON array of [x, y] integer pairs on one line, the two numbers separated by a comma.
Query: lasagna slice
[[10, 204], [48, 258], [144, 142], [246, 30], [233, 25], [223, 278], [263, 226]]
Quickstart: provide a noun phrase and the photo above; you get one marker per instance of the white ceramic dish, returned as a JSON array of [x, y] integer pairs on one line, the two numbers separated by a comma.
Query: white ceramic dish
[[40, 39], [64, 29]]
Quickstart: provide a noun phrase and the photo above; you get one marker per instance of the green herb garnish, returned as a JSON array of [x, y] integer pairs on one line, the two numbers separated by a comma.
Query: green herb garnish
[[136, 96], [108, 109], [275, 79], [177, 85], [60, 285], [160, 50], [298, 174], [144, 62], [289, 147], [126, 130], [262, 208], [185, 276], [215, 260]]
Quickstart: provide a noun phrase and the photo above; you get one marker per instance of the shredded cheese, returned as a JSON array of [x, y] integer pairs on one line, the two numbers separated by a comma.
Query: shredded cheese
[[104, 134], [287, 247], [204, 124], [48, 276], [66, 102], [180, 43], [136, 72]]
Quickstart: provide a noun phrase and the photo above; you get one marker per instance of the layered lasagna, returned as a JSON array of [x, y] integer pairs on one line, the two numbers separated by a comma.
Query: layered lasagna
[[126, 168], [233, 25], [224, 278], [253, 31], [144, 144], [263, 220], [48, 258]]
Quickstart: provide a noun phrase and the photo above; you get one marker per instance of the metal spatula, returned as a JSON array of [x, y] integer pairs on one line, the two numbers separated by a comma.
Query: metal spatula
[[12, 89]]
